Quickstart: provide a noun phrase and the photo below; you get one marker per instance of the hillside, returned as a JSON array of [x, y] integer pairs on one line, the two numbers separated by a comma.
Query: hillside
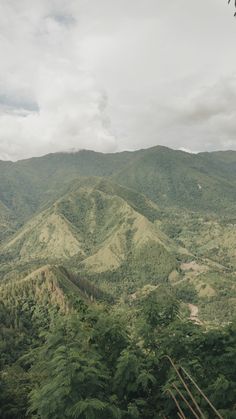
[[28, 306], [48, 286], [122, 220], [205, 182], [8, 222], [28, 184], [179, 179], [97, 227], [75, 212]]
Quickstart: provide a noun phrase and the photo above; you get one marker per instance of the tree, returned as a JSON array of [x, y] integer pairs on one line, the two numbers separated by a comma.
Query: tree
[[72, 382], [14, 390]]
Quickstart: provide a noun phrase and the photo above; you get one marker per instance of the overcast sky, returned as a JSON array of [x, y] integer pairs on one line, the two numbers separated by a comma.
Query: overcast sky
[[111, 75]]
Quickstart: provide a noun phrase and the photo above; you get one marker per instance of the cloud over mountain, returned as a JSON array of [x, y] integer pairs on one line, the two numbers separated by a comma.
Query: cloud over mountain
[[113, 75]]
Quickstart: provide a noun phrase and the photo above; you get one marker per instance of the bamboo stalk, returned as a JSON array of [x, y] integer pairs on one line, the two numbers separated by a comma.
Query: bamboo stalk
[[186, 387], [201, 392], [182, 415], [186, 401]]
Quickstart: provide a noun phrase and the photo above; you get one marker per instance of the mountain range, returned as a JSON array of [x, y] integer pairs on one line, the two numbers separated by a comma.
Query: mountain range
[[125, 220]]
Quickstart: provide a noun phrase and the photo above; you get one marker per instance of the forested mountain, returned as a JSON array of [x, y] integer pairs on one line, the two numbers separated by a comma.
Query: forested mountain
[[109, 263], [176, 178]]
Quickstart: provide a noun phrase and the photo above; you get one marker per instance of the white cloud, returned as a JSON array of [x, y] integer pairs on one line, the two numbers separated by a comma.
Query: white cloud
[[111, 75], [48, 102], [207, 116]]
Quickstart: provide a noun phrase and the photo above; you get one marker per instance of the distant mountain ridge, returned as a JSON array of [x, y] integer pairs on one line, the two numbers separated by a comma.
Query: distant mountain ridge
[[204, 181]]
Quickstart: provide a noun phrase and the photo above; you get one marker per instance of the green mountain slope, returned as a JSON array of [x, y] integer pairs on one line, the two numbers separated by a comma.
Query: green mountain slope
[[28, 306], [178, 179], [205, 181], [46, 285], [94, 228], [95, 214], [27, 184], [8, 222], [207, 277]]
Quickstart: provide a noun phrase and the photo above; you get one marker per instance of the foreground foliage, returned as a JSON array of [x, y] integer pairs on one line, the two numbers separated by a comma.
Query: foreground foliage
[[94, 363]]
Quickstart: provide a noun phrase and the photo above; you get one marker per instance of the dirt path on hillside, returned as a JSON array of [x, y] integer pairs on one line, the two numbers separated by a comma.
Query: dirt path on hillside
[[194, 314]]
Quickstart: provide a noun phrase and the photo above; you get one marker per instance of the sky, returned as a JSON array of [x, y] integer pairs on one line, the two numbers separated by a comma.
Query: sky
[[112, 75]]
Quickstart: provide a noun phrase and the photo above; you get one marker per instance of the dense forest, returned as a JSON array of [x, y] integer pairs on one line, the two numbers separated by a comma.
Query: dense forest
[[94, 360]]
